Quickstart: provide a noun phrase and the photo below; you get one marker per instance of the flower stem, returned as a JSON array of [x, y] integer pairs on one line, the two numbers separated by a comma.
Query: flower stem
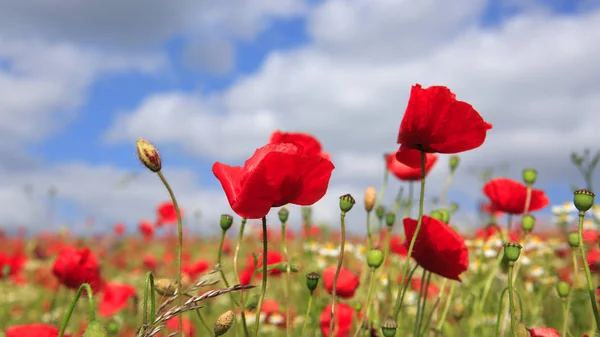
[[588, 274], [237, 276], [367, 301], [414, 238], [203, 322], [568, 306], [148, 317], [445, 188], [500, 310], [404, 286], [421, 303], [263, 288], [92, 311], [337, 270], [288, 285], [511, 294], [446, 307], [179, 246], [490, 279], [369, 231], [219, 258], [310, 300]]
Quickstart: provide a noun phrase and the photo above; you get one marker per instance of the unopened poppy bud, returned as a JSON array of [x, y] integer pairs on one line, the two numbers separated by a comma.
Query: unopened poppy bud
[[375, 258], [112, 328], [94, 329], [445, 215], [583, 200], [529, 176], [148, 155], [453, 162], [458, 311], [453, 207], [390, 219], [224, 323], [380, 212], [512, 250], [573, 239], [312, 280], [165, 287], [436, 215], [346, 203], [370, 197], [284, 214], [282, 267], [528, 223], [358, 306], [306, 213], [226, 222], [389, 327], [563, 289]]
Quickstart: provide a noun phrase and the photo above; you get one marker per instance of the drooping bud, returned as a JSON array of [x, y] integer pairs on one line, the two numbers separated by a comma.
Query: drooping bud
[[573, 239], [284, 214], [226, 222], [166, 287], [563, 289], [148, 155], [529, 176], [375, 258], [94, 329], [380, 212], [527, 223], [312, 280], [583, 200], [512, 251], [346, 203], [390, 219], [224, 323], [453, 162], [389, 327], [370, 197]]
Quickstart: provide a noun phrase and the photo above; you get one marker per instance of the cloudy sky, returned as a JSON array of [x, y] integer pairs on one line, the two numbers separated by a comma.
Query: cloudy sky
[[209, 81]]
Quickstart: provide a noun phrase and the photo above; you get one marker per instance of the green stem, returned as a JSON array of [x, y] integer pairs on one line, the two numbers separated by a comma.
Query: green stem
[[337, 270], [263, 288], [420, 303], [369, 232], [237, 276], [148, 317], [500, 311], [219, 258], [92, 311], [310, 300], [513, 321], [446, 307], [179, 246], [414, 238], [404, 286], [445, 188], [288, 286], [203, 322], [367, 302], [588, 274], [566, 314]]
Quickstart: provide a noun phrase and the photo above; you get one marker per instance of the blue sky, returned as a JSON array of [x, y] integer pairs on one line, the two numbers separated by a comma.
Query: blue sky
[[83, 139]]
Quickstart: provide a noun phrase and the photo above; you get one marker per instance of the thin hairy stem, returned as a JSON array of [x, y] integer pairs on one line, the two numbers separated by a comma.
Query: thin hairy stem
[[237, 275], [337, 270], [367, 302], [588, 274], [310, 300], [92, 310], [263, 288]]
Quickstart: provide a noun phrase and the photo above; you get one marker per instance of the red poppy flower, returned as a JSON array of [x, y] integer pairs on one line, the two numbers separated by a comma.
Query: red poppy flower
[[150, 262], [434, 121], [438, 248], [119, 229], [33, 330], [544, 332], [432, 289], [593, 259], [310, 144], [246, 275], [76, 267], [146, 229], [488, 208], [509, 196], [590, 236], [346, 283], [276, 175], [342, 323], [187, 326], [397, 246], [166, 215], [487, 232], [194, 270], [407, 173], [12, 265], [115, 297]]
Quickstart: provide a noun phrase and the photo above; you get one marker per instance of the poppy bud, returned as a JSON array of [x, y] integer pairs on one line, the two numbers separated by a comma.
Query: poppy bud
[[358, 306], [284, 214], [453, 162], [563, 289], [453, 207], [226, 222], [529, 176], [436, 215], [224, 323], [527, 223], [512, 250], [458, 311], [282, 267], [165, 287], [390, 219], [389, 327], [445, 215], [573, 239], [94, 329], [306, 214], [112, 328], [375, 258], [380, 212], [583, 200], [148, 155], [346, 203], [370, 196], [312, 280]]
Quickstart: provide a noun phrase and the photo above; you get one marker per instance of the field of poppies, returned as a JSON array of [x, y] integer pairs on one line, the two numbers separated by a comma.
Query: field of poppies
[[413, 274]]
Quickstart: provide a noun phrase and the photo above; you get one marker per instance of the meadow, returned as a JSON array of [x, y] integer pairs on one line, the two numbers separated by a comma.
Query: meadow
[[413, 274]]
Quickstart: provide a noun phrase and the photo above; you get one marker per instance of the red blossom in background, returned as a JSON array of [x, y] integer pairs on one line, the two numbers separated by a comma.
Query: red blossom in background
[[346, 284], [276, 175], [407, 173], [12, 265], [119, 229], [115, 297], [342, 323], [438, 248], [33, 330], [508, 196], [544, 332], [75, 267], [146, 229], [166, 214], [187, 326], [435, 122], [194, 270], [309, 143]]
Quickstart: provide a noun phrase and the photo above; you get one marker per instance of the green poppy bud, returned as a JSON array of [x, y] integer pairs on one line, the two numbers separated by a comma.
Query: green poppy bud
[[573, 239], [527, 223], [284, 214], [390, 219], [583, 200], [529, 176], [346, 203], [380, 212], [563, 289], [226, 221], [512, 250], [94, 329], [389, 327], [312, 280], [453, 162], [375, 258]]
